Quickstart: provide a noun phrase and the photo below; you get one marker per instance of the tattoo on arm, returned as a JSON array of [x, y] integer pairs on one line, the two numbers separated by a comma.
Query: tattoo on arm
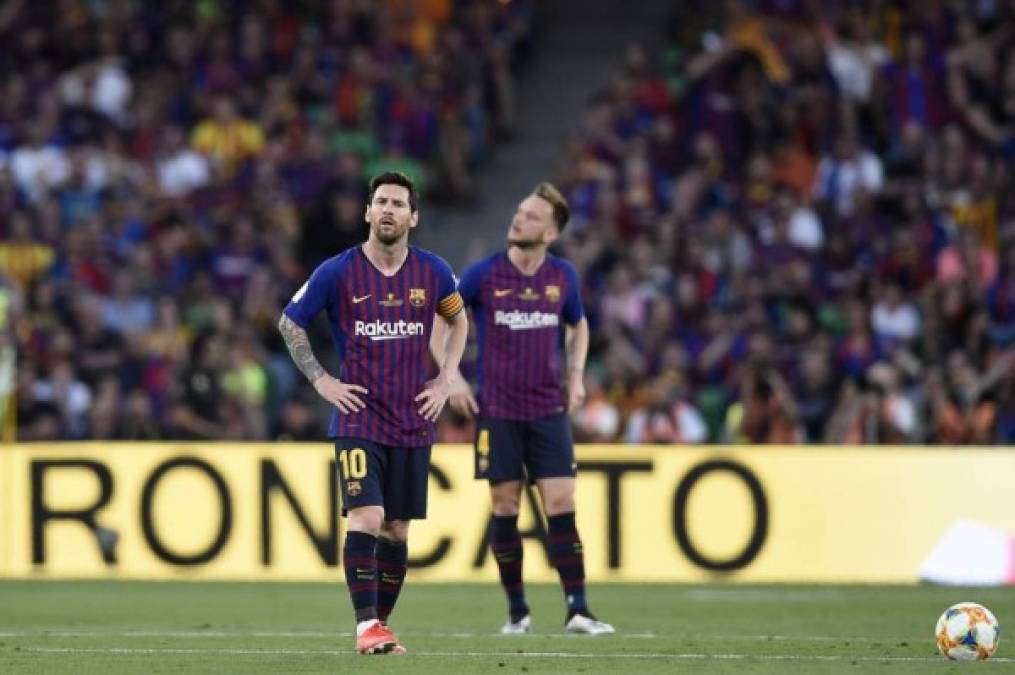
[[299, 348]]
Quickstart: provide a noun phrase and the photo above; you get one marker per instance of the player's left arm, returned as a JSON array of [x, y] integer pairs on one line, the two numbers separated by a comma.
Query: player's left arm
[[435, 394], [468, 291], [576, 342], [461, 399], [452, 309], [454, 347]]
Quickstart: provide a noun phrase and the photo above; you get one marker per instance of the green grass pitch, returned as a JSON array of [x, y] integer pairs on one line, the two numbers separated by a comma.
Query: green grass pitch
[[204, 627]]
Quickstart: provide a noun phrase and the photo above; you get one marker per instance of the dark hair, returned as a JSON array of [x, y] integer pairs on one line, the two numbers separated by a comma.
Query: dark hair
[[762, 386], [561, 211], [394, 178]]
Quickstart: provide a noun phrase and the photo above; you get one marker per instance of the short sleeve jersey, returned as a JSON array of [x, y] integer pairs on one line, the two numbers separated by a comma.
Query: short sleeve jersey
[[519, 323], [380, 326]]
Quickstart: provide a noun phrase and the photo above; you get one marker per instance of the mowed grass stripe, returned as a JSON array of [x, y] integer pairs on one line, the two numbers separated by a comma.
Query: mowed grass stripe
[[239, 633], [114, 628], [495, 654]]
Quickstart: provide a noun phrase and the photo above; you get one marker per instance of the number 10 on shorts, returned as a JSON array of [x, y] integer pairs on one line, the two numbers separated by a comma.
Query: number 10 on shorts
[[354, 463]]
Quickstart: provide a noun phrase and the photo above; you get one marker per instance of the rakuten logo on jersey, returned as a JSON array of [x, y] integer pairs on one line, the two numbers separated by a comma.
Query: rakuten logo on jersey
[[388, 330], [518, 320]]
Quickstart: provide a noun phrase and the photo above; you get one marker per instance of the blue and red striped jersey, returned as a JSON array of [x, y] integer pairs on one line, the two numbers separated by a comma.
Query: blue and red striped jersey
[[519, 323], [381, 327]]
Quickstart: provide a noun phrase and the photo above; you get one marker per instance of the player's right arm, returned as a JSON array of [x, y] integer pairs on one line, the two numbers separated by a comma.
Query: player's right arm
[[340, 394], [461, 399], [314, 296]]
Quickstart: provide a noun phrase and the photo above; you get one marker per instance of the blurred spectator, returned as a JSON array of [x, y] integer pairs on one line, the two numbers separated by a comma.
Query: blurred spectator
[[198, 411], [1005, 397], [181, 170], [1001, 302], [166, 169], [967, 260], [798, 215], [892, 318], [126, 310], [847, 172], [136, 421], [598, 420], [797, 224], [625, 302], [666, 417], [23, 258], [37, 420], [834, 222], [765, 412], [874, 411], [891, 414], [246, 383], [726, 248], [975, 71], [955, 422], [104, 410], [226, 138], [912, 86], [39, 164], [854, 56], [71, 397], [815, 394], [298, 423], [99, 348]]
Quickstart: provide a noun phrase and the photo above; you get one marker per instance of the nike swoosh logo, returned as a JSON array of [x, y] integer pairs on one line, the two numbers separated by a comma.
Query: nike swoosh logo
[[501, 292], [356, 300]]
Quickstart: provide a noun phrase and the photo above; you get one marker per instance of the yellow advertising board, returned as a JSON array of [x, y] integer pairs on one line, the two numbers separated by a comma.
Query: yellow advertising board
[[270, 511]]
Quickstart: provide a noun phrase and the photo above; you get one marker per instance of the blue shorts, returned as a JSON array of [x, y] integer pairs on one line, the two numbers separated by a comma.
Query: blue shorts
[[372, 474], [520, 449]]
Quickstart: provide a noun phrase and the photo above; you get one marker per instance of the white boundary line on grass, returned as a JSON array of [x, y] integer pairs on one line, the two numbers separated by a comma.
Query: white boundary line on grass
[[269, 634], [127, 651], [70, 632]]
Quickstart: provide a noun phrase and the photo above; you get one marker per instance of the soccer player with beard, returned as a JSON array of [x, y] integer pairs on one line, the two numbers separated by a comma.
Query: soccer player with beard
[[380, 299], [522, 299]]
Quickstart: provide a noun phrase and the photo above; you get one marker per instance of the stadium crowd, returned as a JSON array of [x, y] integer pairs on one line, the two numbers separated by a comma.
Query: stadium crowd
[[796, 224], [170, 172]]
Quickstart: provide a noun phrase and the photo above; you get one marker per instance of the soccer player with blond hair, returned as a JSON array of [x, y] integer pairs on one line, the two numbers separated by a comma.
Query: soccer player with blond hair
[[524, 301]]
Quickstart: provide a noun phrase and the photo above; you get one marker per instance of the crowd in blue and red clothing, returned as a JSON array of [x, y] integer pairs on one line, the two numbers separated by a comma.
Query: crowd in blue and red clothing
[[795, 223], [170, 172], [792, 217]]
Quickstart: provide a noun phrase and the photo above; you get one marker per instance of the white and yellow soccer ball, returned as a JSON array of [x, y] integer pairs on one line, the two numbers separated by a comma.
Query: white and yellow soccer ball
[[967, 632]]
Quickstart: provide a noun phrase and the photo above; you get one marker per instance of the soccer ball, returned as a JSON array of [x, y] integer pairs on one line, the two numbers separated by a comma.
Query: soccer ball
[[967, 632]]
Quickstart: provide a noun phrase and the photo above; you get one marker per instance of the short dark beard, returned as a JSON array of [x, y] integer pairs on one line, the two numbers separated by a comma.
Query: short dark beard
[[525, 244], [387, 241]]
